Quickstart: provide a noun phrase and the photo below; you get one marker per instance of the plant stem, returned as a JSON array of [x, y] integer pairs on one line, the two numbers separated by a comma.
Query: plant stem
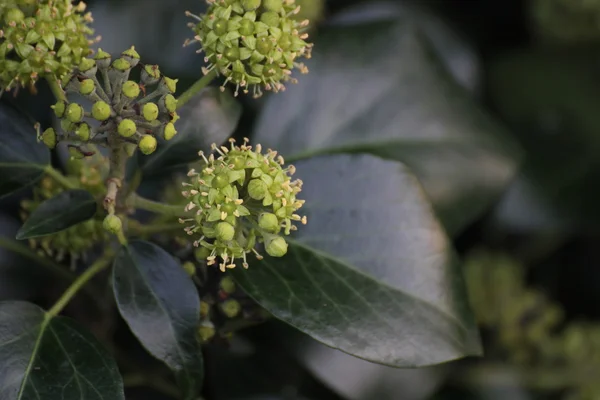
[[55, 87], [196, 87], [136, 380], [145, 230], [156, 207], [59, 177], [81, 280]]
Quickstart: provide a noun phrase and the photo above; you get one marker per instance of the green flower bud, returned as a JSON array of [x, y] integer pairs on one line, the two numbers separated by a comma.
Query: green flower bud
[[219, 182], [103, 59], [257, 189], [231, 308], [101, 111], [150, 74], [169, 84], [276, 247], [121, 64], [189, 268], [87, 86], [269, 222], [169, 131], [206, 331], [131, 56], [227, 285], [74, 112], [131, 89], [83, 131], [127, 128], [168, 103], [204, 309], [225, 231], [112, 224], [273, 5], [150, 112], [250, 5], [147, 144], [59, 108], [49, 138]]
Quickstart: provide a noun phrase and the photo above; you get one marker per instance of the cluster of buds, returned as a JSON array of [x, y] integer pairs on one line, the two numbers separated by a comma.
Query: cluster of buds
[[79, 239], [123, 111], [239, 198], [252, 43], [48, 37]]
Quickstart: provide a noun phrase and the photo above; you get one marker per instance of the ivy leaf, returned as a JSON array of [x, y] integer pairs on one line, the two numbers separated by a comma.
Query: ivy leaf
[[399, 104], [60, 212], [160, 304], [372, 273], [209, 117], [22, 158], [51, 358]]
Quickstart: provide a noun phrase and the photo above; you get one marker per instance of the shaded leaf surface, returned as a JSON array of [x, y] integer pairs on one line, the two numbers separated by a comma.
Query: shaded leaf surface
[[52, 358], [60, 212], [22, 158], [372, 274], [160, 304], [400, 104], [211, 116]]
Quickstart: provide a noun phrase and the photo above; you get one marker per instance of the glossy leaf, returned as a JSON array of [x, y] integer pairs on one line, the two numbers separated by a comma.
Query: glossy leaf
[[398, 103], [52, 358], [22, 158], [60, 212], [372, 273], [160, 304], [209, 117]]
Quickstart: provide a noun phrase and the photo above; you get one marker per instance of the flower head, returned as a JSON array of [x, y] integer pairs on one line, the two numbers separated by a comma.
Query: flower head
[[239, 198], [41, 37], [253, 43], [122, 109]]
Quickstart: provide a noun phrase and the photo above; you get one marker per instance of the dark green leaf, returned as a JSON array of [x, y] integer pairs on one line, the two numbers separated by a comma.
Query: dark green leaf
[[372, 273], [60, 212], [52, 358], [378, 88], [160, 304], [211, 116], [22, 158]]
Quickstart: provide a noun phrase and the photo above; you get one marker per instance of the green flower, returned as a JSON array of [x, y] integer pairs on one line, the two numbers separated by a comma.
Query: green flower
[[253, 43], [240, 198], [122, 109], [41, 38]]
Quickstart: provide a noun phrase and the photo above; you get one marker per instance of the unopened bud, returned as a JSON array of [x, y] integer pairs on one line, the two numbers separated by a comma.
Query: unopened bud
[[126, 128], [276, 246], [257, 189], [147, 144], [206, 331], [150, 112], [189, 268], [112, 224], [224, 231], [227, 285], [231, 308], [269, 222]]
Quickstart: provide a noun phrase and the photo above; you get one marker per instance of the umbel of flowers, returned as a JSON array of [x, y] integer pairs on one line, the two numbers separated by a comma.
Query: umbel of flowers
[[252, 43], [240, 198], [123, 111], [46, 37]]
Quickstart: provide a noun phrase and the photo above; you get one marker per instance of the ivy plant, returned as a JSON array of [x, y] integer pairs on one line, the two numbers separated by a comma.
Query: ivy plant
[[150, 208]]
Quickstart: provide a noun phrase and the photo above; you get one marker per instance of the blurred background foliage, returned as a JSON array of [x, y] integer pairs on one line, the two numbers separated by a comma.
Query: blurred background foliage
[[505, 96]]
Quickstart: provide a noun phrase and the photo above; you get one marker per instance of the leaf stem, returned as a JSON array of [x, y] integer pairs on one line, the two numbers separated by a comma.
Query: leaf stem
[[59, 177], [55, 87], [156, 207], [81, 280], [146, 230], [196, 87]]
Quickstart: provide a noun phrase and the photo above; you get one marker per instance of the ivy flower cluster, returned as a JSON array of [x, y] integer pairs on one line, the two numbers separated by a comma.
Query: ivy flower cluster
[[252, 43], [38, 38], [240, 198], [123, 110]]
